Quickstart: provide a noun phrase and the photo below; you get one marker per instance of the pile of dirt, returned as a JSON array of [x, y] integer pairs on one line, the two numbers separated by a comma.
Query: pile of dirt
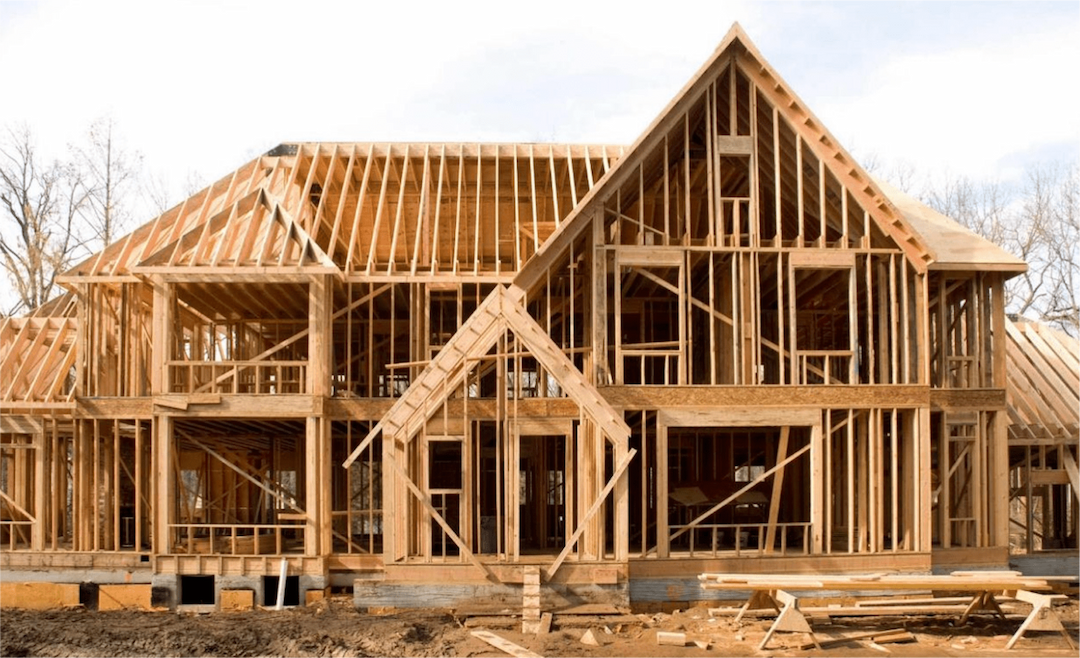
[[332, 628], [335, 628]]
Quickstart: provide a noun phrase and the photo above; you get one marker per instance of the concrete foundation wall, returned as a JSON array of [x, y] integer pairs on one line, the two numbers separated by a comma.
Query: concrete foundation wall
[[382, 594], [167, 589], [1063, 563], [99, 576]]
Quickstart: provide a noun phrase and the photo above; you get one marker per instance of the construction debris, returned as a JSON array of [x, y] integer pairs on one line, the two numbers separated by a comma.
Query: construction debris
[[505, 645], [671, 639]]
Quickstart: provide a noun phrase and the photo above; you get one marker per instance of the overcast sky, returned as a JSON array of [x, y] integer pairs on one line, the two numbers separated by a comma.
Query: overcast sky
[[968, 88]]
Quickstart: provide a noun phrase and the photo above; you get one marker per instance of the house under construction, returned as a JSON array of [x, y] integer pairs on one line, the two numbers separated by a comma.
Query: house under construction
[[417, 369]]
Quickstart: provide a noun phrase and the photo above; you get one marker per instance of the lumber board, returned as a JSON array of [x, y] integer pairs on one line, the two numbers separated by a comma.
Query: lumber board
[[881, 637], [975, 581], [504, 645]]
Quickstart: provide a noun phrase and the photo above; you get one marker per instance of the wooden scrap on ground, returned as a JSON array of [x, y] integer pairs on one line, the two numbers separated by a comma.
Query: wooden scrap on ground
[[590, 639], [880, 636], [592, 609], [671, 639], [545, 623], [589, 621], [502, 644], [502, 622]]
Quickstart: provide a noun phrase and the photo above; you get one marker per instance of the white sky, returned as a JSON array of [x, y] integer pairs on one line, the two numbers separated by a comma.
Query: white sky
[[968, 88]]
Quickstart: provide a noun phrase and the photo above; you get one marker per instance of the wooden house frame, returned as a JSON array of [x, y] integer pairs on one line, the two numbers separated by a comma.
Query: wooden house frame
[[418, 369]]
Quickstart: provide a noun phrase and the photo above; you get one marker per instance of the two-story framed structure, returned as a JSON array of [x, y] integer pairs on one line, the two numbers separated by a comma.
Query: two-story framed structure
[[417, 369]]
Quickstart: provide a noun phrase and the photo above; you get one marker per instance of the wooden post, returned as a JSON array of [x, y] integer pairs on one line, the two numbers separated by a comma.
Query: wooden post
[[924, 522], [777, 488], [82, 340], [313, 486], [164, 479], [162, 324], [622, 507], [663, 531], [319, 338], [817, 495], [37, 532], [999, 449]]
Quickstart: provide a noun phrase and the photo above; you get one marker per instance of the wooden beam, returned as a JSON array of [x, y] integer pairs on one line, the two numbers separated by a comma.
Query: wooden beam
[[778, 485]]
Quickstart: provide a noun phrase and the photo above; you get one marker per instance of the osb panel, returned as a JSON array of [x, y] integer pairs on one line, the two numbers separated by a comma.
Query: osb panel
[[236, 600], [38, 596], [121, 597]]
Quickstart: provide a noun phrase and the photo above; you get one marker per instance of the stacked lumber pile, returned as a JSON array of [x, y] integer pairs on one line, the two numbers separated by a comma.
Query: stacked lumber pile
[[957, 581]]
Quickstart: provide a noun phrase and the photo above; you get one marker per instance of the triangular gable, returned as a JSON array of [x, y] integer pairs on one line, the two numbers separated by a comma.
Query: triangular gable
[[499, 312], [255, 232], [736, 49]]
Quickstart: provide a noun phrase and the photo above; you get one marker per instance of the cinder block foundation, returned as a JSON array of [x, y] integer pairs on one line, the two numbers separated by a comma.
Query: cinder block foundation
[[375, 594]]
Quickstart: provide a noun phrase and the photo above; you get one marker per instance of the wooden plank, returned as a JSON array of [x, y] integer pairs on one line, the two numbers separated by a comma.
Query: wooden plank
[[879, 636], [651, 256], [898, 582], [545, 623], [778, 485], [734, 144], [504, 645], [665, 638], [822, 258], [1041, 476]]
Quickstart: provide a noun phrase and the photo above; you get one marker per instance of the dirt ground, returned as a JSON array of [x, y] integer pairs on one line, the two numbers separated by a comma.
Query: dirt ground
[[335, 628]]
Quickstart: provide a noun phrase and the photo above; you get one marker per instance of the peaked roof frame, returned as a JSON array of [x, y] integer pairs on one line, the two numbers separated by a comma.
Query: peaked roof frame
[[736, 49]]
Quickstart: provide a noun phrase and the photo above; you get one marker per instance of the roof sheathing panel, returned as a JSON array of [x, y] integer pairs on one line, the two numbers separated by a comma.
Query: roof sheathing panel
[[952, 246]]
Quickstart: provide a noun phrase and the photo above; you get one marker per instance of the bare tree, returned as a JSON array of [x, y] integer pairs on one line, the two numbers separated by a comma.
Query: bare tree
[[112, 175], [1063, 306], [1029, 232], [901, 174], [40, 207], [157, 193]]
